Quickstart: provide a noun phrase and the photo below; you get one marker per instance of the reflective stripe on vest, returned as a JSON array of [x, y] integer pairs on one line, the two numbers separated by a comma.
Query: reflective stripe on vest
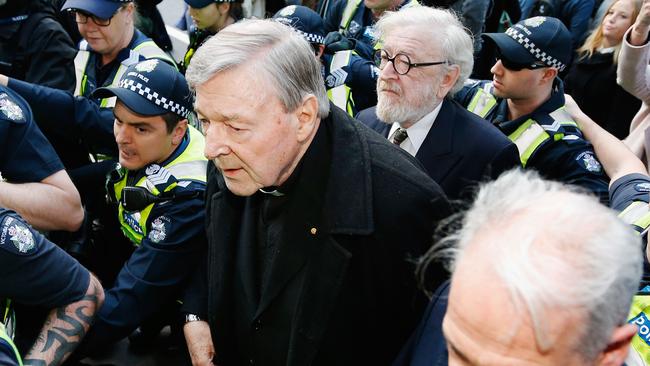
[[528, 138], [5, 338], [639, 316], [531, 135], [483, 101], [189, 166], [341, 95], [147, 50], [636, 214], [350, 8]]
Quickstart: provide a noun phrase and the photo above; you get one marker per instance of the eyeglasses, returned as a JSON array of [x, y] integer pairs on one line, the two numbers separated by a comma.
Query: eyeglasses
[[517, 66], [82, 17], [401, 63]]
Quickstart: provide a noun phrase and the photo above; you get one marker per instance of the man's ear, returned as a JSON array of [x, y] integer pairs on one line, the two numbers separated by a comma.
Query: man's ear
[[549, 74], [618, 346], [223, 7], [178, 132], [307, 116], [448, 81]]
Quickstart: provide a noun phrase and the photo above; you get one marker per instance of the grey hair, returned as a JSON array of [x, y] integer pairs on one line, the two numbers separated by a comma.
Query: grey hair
[[444, 27], [275, 49], [555, 248]]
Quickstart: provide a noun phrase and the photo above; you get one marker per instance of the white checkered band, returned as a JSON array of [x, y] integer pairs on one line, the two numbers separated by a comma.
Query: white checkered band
[[523, 40], [153, 96], [311, 38]]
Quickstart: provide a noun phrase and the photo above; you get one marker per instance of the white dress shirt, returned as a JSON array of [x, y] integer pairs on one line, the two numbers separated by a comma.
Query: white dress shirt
[[417, 132]]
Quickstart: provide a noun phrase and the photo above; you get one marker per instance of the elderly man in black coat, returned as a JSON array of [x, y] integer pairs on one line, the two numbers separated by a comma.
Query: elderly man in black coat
[[314, 221]]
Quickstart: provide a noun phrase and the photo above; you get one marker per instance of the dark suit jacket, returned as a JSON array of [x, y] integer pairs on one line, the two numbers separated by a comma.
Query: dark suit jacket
[[460, 149], [352, 278], [427, 345]]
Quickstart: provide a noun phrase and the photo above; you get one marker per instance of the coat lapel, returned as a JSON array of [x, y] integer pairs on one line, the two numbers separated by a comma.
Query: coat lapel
[[436, 153]]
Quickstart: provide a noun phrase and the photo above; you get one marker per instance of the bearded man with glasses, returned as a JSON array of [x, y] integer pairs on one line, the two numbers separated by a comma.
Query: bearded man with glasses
[[525, 100], [418, 72]]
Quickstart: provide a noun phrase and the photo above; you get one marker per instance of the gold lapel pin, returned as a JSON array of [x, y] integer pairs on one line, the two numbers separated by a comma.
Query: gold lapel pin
[[313, 231]]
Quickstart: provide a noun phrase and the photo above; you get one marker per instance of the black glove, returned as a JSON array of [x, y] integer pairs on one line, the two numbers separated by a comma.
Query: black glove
[[335, 41]]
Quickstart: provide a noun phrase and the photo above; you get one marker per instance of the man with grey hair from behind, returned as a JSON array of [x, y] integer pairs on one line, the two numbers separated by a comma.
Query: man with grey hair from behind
[[313, 220], [542, 275], [426, 57]]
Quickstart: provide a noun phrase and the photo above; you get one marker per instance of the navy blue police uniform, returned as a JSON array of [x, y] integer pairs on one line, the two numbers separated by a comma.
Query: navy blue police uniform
[[548, 139], [350, 80], [33, 271], [563, 156], [25, 153], [168, 229], [355, 21]]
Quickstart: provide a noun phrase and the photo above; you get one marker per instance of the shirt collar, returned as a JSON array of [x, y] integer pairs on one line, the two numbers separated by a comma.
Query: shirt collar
[[418, 131]]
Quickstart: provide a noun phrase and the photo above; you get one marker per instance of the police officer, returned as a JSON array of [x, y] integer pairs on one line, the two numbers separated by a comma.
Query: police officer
[[110, 44], [158, 188], [349, 79], [526, 101], [349, 24], [629, 191], [34, 182], [210, 16], [33, 45], [34, 271]]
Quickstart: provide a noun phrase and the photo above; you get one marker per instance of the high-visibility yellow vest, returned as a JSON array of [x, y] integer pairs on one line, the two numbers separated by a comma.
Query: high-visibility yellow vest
[[7, 322], [341, 95], [144, 49], [351, 8], [189, 166], [531, 135]]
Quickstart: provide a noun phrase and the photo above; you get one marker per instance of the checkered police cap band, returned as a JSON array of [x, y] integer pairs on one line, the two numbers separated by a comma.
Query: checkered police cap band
[[153, 96], [534, 50], [311, 38]]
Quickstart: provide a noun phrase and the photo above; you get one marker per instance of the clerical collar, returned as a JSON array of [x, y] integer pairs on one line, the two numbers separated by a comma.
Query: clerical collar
[[272, 190]]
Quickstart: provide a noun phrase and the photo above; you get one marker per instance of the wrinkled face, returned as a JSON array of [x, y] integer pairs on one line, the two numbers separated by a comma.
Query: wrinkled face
[[483, 328], [108, 39], [208, 17], [407, 98], [617, 21], [143, 140], [515, 84], [249, 135]]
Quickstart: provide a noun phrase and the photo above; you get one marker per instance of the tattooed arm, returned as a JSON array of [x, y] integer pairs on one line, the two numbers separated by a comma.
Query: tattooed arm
[[65, 327]]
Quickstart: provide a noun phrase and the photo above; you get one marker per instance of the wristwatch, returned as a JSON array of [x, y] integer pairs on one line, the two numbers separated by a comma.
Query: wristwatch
[[192, 318]]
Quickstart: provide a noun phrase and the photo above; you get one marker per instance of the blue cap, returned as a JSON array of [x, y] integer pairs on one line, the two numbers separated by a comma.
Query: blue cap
[[304, 20], [104, 9], [151, 88], [537, 39], [198, 4]]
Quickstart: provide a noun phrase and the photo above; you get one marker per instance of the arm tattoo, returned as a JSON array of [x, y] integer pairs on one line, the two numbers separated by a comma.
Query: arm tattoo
[[65, 327]]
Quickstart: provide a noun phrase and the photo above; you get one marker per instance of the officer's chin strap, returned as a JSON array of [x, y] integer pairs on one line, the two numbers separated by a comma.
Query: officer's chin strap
[[138, 198]]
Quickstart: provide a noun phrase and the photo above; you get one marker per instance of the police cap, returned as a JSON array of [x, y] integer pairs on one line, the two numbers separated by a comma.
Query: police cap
[[151, 88], [198, 4], [304, 20], [542, 40], [103, 9]]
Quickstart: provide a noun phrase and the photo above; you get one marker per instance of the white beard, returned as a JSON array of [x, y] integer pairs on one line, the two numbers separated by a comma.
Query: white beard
[[391, 108]]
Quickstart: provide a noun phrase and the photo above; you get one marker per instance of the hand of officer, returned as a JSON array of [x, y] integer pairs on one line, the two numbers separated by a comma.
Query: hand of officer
[[335, 41], [199, 343], [639, 33], [4, 80]]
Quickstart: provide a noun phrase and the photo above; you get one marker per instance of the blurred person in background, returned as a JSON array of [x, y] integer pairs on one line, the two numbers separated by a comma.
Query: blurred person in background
[[591, 80]]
